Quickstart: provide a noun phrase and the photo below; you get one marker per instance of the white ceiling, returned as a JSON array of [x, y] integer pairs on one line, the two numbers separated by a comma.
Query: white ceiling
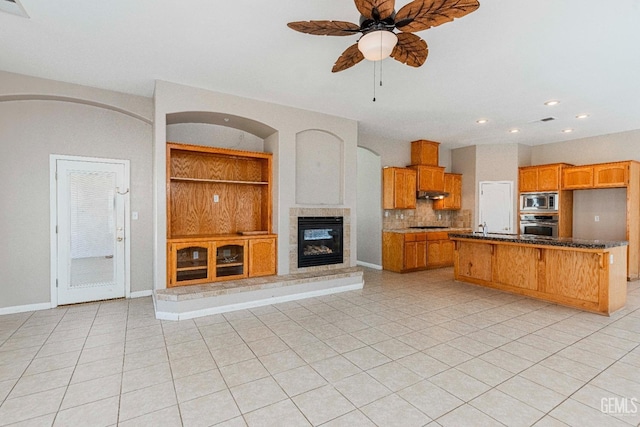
[[501, 62]]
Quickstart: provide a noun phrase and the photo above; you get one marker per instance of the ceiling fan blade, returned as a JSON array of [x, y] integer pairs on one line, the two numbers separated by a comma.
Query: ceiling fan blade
[[423, 14], [348, 59], [375, 9], [325, 28], [410, 50]]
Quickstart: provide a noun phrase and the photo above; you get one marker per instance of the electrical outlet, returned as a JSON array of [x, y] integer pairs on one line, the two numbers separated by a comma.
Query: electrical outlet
[[597, 218], [216, 198], [196, 255]]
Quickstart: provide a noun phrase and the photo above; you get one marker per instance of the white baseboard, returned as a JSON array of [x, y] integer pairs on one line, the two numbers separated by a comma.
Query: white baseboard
[[140, 294], [367, 264], [23, 308]]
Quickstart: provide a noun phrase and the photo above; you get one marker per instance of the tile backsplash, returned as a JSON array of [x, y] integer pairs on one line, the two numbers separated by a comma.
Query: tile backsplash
[[424, 214]]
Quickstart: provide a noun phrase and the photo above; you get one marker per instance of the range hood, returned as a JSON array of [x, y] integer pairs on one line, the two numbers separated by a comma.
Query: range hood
[[431, 195]]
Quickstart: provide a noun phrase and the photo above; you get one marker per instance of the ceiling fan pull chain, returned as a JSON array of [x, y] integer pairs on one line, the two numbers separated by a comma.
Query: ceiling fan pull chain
[[381, 61], [374, 81]]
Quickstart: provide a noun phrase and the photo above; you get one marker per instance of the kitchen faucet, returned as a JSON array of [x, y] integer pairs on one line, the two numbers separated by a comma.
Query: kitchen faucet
[[483, 226]]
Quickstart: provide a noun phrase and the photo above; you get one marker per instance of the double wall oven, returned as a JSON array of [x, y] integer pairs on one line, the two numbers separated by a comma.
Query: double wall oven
[[539, 214]]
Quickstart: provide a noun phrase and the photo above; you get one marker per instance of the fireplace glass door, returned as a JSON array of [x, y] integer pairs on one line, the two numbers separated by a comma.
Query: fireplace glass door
[[319, 241]]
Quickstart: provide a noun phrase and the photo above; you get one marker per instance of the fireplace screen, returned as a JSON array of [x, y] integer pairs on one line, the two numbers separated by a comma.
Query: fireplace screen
[[319, 241]]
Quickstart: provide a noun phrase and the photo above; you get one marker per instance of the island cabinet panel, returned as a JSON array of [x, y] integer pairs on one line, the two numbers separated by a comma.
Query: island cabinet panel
[[516, 266], [473, 261], [588, 279], [573, 275]]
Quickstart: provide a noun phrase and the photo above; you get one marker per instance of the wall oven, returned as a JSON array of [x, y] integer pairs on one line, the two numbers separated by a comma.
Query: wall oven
[[539, 224], [539, 202]]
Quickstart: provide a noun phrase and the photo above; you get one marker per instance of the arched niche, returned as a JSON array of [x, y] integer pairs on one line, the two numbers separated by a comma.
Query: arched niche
[[319, 168]]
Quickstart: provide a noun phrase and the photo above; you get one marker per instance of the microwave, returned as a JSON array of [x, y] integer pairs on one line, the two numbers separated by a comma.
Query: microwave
[[536, 202]]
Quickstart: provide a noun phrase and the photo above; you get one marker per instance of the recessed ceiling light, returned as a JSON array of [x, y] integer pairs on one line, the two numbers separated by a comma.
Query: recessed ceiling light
[[481, 121], [514, 130], [582, 116], [552, 102], [567, 130]]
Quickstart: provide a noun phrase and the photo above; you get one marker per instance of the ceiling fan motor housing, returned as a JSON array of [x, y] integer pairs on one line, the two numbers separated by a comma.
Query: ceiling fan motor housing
[[368, 25]]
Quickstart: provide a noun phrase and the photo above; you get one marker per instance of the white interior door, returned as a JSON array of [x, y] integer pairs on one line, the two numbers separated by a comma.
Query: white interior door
[[90, 219], [496, 206]]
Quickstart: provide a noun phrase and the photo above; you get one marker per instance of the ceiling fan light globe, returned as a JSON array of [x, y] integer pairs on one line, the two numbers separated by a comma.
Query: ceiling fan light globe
[[377, 45]]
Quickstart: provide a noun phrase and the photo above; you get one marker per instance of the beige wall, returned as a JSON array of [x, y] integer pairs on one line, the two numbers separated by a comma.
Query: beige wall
[[598, 149], [286, 122], [38, 118], [369, 208], [214, 136], [609, 205]]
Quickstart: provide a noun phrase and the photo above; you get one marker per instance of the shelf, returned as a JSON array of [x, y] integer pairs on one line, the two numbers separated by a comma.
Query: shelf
[[219, 181], [229, 264], [202, 267]]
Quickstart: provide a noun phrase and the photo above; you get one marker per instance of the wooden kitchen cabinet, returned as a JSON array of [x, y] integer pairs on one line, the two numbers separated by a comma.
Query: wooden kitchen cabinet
[[577, 178], [453, 186], [540, 178], [603, 175], [402, 252], [439, 253], [587, 279], [425, 152], [262, 257], [611, 175], [429, 178], [398, 188]]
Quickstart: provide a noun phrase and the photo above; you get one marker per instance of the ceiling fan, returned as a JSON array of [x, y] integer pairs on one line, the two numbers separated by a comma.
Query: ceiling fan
[[378, 20]]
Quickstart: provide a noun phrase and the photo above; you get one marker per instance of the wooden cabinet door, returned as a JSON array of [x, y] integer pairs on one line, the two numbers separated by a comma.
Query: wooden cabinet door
[[577, 177], [528, 179], [409, 189], [399, 188], [430, 178], [611, 175], [440, 253], [453, 186], [189, 263], [410, 255], [424, 152], [262, 257], [548, 178]]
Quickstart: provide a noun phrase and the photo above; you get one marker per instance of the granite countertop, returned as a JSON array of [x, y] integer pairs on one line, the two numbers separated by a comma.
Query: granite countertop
[[566, 242], [427, 230]]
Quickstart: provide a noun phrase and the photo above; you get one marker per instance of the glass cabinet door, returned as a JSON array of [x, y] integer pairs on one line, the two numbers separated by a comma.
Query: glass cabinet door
[[191, 262], [230, 259]]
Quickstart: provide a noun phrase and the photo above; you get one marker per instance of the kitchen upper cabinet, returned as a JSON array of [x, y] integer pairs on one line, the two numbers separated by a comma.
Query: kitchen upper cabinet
[[577, 178], [453, 186], [611, 175], [603, 175], [399, 188], [430, 178], [540, 178], [424, 152]]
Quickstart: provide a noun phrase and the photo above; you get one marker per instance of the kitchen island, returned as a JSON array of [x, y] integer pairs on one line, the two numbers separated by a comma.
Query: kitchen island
[[586, 274]]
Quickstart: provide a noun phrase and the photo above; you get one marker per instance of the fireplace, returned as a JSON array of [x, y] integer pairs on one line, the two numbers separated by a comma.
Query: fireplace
[[319, 241]]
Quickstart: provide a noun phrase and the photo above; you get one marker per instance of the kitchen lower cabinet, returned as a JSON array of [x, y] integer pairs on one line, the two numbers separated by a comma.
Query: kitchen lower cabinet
[[402, 252], [411, 251], [587, 279]]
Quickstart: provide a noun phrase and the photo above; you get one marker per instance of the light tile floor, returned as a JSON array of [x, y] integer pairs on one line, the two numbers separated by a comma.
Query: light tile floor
[[407, 350]]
